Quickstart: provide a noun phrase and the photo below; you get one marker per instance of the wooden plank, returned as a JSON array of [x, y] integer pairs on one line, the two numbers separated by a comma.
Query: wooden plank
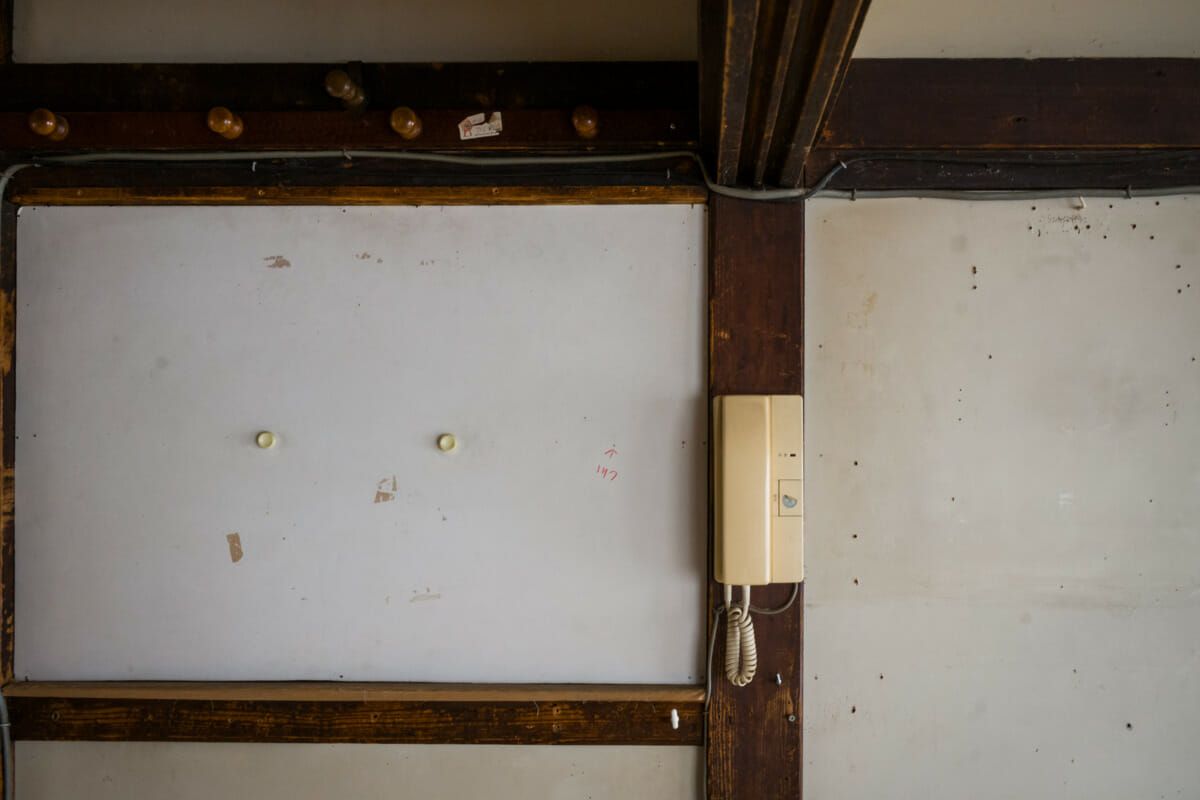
[[6, 31], [1058, 104], [338, 691], [546, 721], [822, 82], [912, 170], [356, 195], [342, 130], [8, 427], [779, 28], [727, 34], [756, 253], [634, 85], [8, 394]]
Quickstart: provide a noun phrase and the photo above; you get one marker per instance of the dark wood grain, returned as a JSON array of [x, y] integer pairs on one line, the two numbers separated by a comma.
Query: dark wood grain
[[728, 31], [6, 31], [779, 27], [912, 170], [357, 195], [337, 130], [634, 85], [8, 395], [820, 82], [369, 721], [1063, 104], [756, 257]]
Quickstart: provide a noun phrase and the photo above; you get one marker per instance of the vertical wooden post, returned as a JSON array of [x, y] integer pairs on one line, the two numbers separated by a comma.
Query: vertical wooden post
[[756, 346], [6, 31], [8, 394]]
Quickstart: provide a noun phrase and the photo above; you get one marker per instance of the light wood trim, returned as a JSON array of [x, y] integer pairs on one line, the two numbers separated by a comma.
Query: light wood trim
[[357, 195], [325, 691]]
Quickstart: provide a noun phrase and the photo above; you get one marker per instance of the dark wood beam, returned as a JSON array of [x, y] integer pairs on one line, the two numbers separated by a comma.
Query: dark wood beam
[[503, 86], [779, 27], [756, 328], [357, 713], [819, 82], [1014, 104], [728, 36], [358, 181], [6, 31], [770, 72], [524, 130], [1131, 169], [8, 396]]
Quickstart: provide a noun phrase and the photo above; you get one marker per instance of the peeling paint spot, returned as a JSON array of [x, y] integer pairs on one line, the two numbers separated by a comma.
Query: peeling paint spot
[[235, 547], [363, 256], [382, 495], [420, 598], [277, 262]]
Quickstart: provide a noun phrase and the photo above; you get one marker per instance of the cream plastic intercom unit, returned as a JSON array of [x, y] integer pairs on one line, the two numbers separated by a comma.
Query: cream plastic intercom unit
[[758, 473]]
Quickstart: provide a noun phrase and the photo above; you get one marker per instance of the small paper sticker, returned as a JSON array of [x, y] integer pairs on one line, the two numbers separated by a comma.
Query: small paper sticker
[[477, 126]]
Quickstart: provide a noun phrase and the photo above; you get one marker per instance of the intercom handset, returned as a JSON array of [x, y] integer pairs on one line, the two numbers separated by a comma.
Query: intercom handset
[[758, 478]]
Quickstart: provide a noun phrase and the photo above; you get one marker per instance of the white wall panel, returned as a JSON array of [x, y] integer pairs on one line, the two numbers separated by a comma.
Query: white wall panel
[[562, 541], [192, 771], [1003, 499]]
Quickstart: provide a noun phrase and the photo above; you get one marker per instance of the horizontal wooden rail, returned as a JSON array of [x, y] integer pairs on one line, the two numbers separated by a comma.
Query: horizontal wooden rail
[[357, 712], [480, 86], [102, 131], [356, 195]]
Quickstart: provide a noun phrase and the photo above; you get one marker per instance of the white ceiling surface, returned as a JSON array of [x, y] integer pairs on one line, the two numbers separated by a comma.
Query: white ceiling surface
[[1030, 29], [198, 771], [545, 30], [1002, 410]]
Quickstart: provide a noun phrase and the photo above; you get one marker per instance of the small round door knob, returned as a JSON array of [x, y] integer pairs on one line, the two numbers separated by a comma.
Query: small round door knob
[[265, 440], [446, 442]]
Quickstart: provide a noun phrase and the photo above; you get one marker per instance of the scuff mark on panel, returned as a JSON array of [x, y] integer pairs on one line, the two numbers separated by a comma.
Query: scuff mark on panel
[[235, 547], [277, 262], [381, 493]]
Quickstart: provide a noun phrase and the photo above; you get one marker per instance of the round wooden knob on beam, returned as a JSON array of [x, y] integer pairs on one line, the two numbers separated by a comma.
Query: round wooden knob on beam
[[586, 121], [340, 85], [45, 122], [405, 122], [223, 121]]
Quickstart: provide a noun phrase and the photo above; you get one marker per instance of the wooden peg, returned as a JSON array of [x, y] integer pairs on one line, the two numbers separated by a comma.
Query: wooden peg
[[340, 85], [45, 122], [405, 122], [223, 121], [586, 121]]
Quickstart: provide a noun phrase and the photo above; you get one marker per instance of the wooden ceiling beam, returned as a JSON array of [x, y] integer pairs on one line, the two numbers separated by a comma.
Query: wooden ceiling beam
[[821, 82], [770, 71], [728, 33]]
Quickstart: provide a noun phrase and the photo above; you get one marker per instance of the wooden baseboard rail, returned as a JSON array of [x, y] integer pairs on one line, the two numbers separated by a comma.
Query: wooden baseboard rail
[[398, 713]]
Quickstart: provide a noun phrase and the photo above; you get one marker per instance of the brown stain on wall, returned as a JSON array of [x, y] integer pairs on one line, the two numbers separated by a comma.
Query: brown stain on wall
[[277, 262], [235, 547]]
